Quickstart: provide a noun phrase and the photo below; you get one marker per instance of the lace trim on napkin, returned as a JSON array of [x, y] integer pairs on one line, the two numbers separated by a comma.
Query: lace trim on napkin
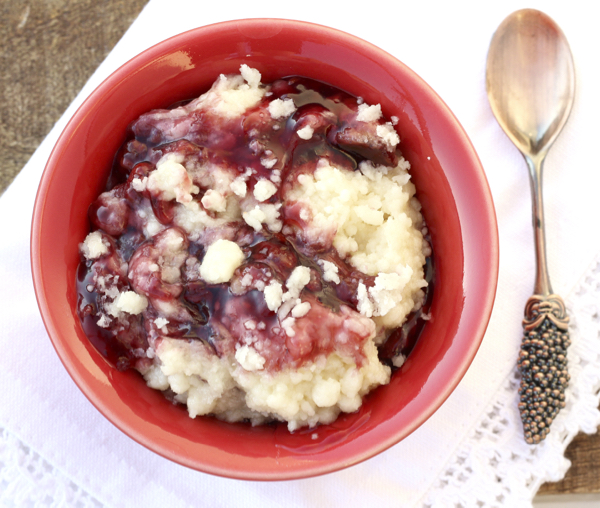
[[497, 439], [28, 480]]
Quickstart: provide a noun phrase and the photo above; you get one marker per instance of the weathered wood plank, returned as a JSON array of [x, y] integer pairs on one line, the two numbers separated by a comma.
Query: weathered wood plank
[[49, 49]]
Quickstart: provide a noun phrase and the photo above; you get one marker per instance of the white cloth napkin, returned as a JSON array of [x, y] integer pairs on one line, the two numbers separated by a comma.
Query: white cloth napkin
[[54, 445]]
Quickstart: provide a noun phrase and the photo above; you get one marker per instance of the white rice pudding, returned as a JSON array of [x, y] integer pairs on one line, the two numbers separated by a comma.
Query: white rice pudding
[[257, 245]]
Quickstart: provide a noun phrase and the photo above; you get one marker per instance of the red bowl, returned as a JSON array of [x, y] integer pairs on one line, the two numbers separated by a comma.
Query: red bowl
[[451, 186]]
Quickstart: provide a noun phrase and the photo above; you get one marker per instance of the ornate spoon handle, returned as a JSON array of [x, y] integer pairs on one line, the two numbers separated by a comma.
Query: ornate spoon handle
[[543, 357], [543, 364]]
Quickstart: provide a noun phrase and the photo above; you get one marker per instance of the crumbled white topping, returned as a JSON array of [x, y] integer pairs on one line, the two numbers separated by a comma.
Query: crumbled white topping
[[252, 76], [268, 161], [249, 358], [238, 187], [379, 299], [264, 189], [214, 201], [273, 295], [330, 271], [160, 322], [388, 134], [220, 261], [365, 304], [368, 113], [301, 309], [288, 326], [246, 280], [254, 218], [306, 132], [104, 321], [170, 179], [275, 176], [139, 184], [299, 278], [398, 361], [94, 246], [280, 108], [131, 302], [231, 96], [263, 214]]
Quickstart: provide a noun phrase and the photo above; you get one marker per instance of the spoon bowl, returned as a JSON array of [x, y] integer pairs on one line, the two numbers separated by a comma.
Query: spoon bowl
[[530, 82]]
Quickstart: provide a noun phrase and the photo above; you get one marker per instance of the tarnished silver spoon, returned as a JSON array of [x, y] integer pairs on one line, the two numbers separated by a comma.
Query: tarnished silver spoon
[[530, 82]]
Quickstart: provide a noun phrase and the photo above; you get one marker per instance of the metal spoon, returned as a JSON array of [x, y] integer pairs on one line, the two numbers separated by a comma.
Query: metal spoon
[[530, 81]]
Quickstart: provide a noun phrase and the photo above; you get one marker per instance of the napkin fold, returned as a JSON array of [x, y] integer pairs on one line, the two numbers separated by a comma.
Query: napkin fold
[[54, 445]]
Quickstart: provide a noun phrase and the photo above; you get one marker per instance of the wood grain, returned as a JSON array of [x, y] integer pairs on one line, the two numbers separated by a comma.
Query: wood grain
[[49, 49], [583, 476]]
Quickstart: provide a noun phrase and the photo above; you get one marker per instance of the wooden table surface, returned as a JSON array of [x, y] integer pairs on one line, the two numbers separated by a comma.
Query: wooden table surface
[[49, 49]]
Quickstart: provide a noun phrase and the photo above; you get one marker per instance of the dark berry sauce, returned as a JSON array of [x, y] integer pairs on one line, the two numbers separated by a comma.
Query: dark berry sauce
[[260, 147]]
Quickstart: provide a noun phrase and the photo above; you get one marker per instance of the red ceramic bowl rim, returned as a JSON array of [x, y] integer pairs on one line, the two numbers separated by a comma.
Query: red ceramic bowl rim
[[484, 290]]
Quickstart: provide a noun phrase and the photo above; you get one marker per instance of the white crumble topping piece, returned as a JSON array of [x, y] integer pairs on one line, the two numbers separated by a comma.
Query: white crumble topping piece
[[379, 299], [273, 295], [306, 132], [238, 187], [252, 76], [249, 358], [264, 189], [131, 302], [288, 326], [231, 96], [275, 176], [214, 201], [94, 246], [365, 305], [388, 134], [220, 261], [160, 322], [299, 278], [268, 161], [254, 218], [281, 108], [139, 184], [301, 310], [246, 280], [104, 321], [263, 214], [330, 271], [398, 361], [171, 180], [368, 113]]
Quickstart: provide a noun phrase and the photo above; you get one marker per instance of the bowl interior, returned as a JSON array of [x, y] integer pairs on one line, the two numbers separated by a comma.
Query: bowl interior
[[451, 187]]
